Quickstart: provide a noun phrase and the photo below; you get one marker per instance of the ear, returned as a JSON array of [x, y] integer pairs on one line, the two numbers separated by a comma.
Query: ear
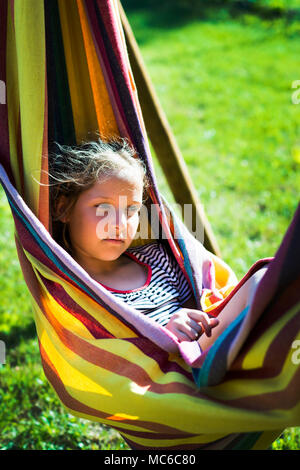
[[61, 207]]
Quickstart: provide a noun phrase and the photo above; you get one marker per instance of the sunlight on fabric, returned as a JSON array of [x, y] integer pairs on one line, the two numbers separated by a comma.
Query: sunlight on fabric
[[72, 378], [134, 387], [121, 417]]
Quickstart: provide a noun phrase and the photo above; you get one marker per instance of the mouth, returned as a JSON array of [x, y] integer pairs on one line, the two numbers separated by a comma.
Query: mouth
[[114, 240]]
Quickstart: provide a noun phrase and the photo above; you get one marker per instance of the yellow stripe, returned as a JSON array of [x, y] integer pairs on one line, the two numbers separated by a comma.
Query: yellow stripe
[[77, 383], [66, 319], [188, 413], [12, 87], [224, 275], [266, 439], [256, 355], [231, 390], [106, 319], [165, 443], [83, 106], [239, 388], [127, 351]]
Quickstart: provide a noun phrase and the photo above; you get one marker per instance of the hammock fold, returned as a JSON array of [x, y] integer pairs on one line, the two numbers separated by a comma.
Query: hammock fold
[[67, 77]]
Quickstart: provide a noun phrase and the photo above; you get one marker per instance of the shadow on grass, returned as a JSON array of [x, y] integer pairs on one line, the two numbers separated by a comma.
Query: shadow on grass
[[175, 13], [17, 334]]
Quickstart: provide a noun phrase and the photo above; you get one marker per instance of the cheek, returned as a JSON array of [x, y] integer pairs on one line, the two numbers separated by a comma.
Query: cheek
[[133, 224], [102, 226], [82, 225]]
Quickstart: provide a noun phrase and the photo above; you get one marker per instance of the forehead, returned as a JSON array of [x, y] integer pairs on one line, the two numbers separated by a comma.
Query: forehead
[[115, 186]]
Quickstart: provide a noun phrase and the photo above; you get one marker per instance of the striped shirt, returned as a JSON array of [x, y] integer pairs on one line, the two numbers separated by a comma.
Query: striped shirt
[[166, 287]]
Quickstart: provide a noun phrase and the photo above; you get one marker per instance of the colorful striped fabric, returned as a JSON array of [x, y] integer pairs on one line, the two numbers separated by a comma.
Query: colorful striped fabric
[[67, 76]]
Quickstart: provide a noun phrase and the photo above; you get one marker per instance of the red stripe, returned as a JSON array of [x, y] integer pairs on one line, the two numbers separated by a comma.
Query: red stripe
[[68, 304], [108, 18], [4, 134], [218, 444], [29, 244], [255, 267], [96, 355], [280, 305], [106, 68], [161, 357], [73, 404], [284, 399], [107, 14], [114, 363]]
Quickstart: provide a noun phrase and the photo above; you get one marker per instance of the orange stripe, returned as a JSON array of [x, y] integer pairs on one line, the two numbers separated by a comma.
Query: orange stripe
[[105, 116], [73, 404], [112, 362]]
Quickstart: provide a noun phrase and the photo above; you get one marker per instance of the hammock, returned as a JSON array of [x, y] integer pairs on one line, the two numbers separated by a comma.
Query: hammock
[[67, 76]]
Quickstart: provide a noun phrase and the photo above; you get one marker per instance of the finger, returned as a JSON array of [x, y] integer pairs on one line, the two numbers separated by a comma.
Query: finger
[[189, 332], [195, 325], [197, 315], [201, 318], [183, 336], [213, 322], [205, 320]]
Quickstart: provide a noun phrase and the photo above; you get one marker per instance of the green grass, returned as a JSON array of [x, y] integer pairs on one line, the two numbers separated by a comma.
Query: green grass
[[225, 86], [226, 90]]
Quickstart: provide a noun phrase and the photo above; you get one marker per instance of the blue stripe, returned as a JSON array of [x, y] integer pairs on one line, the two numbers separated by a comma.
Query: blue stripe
[[203, 376]]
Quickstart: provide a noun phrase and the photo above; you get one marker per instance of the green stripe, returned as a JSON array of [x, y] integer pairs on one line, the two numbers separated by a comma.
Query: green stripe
[[247, 441]]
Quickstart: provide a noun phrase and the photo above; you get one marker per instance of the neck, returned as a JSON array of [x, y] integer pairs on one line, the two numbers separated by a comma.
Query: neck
[[95, 267]]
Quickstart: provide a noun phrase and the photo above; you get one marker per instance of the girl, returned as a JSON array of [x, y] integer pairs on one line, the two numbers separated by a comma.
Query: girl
[[97, 192]]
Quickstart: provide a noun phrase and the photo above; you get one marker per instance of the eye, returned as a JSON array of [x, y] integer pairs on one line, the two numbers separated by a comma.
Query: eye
[[102, 207], [133, 209]]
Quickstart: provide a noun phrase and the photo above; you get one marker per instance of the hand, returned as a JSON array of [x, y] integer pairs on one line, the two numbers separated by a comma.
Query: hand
[[189, 324]]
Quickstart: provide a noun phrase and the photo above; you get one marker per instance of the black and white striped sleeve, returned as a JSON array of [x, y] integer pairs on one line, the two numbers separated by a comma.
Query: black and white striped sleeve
[[173, 267]]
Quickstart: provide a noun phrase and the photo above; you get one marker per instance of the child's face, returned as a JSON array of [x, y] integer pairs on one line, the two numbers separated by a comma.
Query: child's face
[[106, 211]]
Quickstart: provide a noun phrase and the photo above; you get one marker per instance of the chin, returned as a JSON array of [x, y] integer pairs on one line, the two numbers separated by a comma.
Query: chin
[[111, 251]]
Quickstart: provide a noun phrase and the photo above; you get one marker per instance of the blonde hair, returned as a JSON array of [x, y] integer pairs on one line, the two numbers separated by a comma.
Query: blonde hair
[[75, 169]]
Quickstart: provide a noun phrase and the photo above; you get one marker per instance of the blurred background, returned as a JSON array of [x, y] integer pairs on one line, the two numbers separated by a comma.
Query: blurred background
[[224, 73]]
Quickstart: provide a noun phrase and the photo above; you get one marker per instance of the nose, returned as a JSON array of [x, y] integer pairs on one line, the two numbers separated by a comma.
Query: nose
[[113, 223], [119, 221]]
